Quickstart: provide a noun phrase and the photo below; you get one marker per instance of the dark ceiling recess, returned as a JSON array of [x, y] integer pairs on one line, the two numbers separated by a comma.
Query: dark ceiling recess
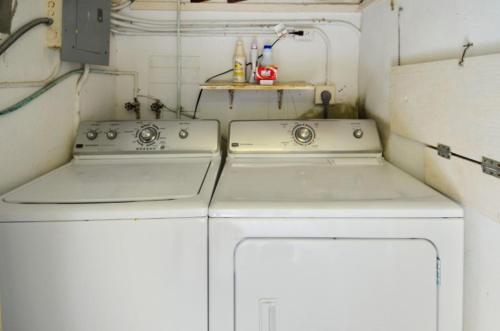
[[228, 1], [5, 15], [330, 3]]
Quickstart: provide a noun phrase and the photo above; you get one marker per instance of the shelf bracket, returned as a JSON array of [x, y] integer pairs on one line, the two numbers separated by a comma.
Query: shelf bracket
[[231, 98], [280, 99]]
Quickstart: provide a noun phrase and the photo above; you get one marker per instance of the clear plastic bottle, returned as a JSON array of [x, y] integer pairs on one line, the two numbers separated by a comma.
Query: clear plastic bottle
[[267, 56], [239, 69], [254, 56]]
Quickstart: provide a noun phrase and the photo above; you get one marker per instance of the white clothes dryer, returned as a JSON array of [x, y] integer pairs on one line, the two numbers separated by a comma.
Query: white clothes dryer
[[311, 229]]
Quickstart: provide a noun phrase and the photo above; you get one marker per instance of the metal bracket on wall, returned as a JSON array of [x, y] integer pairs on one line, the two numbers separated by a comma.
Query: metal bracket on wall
[[491, 167], [231, 98], [444, 151]]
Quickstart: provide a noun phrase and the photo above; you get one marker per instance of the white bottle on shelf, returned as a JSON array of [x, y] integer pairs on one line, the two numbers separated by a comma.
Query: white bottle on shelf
[[240, 63], [254, 56], [267, 56]]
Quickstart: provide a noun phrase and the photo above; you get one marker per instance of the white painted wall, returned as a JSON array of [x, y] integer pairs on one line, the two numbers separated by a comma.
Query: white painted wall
[[38, 137], [154, 59], [435, 30]]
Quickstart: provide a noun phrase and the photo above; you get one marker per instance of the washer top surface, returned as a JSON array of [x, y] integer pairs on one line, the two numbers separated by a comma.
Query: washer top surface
[[101, 181], [339, 176], [125, 170]]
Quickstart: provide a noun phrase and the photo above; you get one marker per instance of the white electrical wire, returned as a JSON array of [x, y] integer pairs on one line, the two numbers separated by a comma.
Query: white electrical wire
[[136, 26], [121, 6], [231, 23], [79, 85], [241, 31], [133, 74], [83, 79], [14, 7], [179, 60], [35, 83]]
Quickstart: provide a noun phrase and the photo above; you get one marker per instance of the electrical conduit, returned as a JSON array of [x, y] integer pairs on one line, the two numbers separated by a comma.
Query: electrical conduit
[[18, 105]]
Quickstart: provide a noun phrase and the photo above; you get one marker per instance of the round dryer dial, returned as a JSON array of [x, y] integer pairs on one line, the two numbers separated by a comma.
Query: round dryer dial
[[303, 134]]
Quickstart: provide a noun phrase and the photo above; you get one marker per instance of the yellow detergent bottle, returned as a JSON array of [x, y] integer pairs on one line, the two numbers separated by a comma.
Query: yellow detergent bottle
[[239, 69]]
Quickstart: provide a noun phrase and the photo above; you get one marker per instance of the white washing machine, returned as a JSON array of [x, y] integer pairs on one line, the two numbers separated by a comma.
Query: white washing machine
[[115, 240], [311, 229]]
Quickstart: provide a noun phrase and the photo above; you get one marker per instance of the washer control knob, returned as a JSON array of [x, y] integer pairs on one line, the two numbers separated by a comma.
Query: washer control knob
[[303, 134], [183, 134], [148, 135], [358, 133], [92, 134], [111, 134]]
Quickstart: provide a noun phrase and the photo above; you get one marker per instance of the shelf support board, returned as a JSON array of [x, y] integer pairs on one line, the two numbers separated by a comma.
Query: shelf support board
[[231, 98], [280, 99]]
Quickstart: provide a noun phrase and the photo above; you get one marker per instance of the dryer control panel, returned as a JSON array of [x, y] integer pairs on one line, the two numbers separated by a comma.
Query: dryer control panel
[[309, 136], [147, 137]]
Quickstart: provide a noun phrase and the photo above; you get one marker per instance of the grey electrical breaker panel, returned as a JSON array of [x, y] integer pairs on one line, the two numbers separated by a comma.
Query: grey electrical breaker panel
[[86, 31], [5, 15]]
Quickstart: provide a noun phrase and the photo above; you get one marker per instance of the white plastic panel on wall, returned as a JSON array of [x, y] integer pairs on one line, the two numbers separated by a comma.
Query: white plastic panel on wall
[[463, 181], [442, 102]]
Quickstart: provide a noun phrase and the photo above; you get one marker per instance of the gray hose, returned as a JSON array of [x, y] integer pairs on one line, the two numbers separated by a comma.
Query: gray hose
[[22, 30]]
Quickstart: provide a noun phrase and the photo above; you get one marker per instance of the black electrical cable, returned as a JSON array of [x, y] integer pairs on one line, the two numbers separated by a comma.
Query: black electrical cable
[[22, 30], [298, 33]]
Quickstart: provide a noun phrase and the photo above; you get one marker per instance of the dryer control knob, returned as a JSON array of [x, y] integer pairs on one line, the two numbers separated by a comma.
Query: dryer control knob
[[303, 134], [92, 134], [358, 133], [183, 134]]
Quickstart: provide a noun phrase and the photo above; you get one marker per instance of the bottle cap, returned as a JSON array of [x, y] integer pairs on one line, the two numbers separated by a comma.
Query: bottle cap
[[268, 46]]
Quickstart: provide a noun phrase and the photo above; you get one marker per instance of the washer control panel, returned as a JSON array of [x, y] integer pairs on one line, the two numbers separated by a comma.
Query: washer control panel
[[309, 136], [147, 137]]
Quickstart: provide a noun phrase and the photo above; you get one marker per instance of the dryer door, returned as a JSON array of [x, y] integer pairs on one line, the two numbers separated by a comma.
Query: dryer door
[[336, 284]]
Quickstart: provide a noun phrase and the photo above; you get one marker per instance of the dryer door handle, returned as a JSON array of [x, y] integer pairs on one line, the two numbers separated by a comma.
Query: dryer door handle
[[267, 314]]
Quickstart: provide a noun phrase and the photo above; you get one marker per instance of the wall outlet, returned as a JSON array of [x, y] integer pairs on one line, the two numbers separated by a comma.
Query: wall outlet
[[54, 11], [308, 36], [321, 88]]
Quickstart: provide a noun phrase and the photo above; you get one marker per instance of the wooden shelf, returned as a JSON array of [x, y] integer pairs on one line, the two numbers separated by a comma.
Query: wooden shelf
[[277, 86], [228, 85]]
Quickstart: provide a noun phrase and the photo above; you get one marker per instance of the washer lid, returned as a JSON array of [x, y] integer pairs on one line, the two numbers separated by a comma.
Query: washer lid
[[117, 180], [324, 187]]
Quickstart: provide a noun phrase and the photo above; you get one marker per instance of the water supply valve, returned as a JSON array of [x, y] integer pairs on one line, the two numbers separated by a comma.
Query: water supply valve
[[157, 107], [134, 106]]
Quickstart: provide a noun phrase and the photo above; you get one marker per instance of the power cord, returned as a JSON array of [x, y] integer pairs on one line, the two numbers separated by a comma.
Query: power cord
[[22, 30], [296, 33]]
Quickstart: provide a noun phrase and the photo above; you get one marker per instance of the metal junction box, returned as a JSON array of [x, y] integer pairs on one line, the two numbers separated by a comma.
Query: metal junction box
[[86, 31]]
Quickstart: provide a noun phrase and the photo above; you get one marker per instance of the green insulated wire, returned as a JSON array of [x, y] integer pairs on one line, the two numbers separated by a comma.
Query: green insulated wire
[[39, 92]]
